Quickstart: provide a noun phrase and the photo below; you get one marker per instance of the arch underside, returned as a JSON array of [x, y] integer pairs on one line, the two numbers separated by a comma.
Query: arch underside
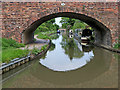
[[102, 33]]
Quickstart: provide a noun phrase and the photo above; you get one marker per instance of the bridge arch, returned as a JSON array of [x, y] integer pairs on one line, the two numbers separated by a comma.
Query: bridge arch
[[103, 34]]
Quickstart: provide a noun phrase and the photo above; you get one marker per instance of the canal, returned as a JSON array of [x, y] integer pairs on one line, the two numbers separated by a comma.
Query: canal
[[67, 64]]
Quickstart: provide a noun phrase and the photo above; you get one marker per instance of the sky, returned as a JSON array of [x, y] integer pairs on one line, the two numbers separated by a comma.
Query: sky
[[57, 21]]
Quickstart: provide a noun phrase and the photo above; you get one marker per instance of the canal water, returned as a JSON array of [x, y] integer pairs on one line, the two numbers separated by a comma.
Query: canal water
[[67, 64]]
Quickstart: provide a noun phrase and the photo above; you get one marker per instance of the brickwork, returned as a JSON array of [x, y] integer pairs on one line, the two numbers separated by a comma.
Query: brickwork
[[18, 16]]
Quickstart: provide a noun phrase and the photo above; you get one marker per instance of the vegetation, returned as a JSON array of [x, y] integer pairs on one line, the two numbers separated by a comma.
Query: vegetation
[[10, 50], [9, 54], [10, 47], [42, 36], [52, 47], [47, 26], [9, 43], [36, 50], [45, 35], [75, 23], [71, 48], [117, 45], [67, 21]]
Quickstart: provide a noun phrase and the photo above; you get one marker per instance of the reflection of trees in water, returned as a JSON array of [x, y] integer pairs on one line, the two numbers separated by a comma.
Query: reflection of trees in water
[[71, 48], [44, 56], [52, 47], [54, 37], [117, 56], [87, 48]]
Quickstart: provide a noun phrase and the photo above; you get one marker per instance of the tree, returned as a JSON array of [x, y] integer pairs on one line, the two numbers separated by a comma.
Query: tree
[[75, 23], [79, 24], [67, 21], [47, 26]]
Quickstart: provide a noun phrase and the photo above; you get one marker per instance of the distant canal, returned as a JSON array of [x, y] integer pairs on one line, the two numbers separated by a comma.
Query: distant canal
[[67, 64]]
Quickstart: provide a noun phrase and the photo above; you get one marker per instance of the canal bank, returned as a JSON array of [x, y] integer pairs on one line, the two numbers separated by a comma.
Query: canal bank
[[39, 43], [68, 66], [106, 47], [100, 45]]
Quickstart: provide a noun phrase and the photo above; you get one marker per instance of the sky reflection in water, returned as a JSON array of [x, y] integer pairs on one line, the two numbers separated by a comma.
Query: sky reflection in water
[[58, 60]]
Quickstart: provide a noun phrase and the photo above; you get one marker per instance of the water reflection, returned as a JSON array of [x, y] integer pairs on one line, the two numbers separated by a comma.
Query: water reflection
[[52, 47], [66, 55], [100, 72]]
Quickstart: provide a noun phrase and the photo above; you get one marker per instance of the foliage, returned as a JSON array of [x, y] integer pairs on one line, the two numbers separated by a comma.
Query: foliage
[[54, 36], [117, 45], [71, 48], [52, 47], [75, 23], [47, 26], [43, 47], [36, 50], [12, 53], [79, 24], [8, 43], [45, 35], [67, 21]]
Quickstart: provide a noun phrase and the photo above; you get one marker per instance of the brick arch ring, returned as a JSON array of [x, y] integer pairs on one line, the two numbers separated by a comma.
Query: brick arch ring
[[103, 34]]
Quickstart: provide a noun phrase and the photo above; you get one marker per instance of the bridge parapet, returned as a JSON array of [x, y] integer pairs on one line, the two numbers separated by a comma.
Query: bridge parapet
[[19, 16]]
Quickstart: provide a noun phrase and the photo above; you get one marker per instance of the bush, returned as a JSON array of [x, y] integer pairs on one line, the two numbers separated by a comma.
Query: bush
[[43, 47], [35, 51], [43, 36], [117, 45]]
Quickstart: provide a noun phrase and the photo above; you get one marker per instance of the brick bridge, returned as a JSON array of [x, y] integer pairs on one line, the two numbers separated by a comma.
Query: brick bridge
[[20, 19]]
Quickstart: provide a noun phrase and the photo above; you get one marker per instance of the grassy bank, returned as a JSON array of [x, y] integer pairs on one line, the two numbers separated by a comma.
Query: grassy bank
[[10, 50], [12, 53]]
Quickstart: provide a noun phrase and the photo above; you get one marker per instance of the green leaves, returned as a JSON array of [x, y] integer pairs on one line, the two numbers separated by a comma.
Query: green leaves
[[8, 43], [47, 26], [75, 23], [117, 45], [37, 51]]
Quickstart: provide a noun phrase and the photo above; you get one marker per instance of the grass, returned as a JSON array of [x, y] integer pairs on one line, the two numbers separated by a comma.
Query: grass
[[8, 43], [10, 50], [12, 53]]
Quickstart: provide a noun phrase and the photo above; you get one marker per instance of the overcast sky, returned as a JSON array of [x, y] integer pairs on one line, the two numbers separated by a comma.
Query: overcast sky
[[57, 21]]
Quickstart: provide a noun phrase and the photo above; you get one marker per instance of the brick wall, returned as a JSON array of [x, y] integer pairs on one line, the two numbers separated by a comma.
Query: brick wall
[[18, 16]]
